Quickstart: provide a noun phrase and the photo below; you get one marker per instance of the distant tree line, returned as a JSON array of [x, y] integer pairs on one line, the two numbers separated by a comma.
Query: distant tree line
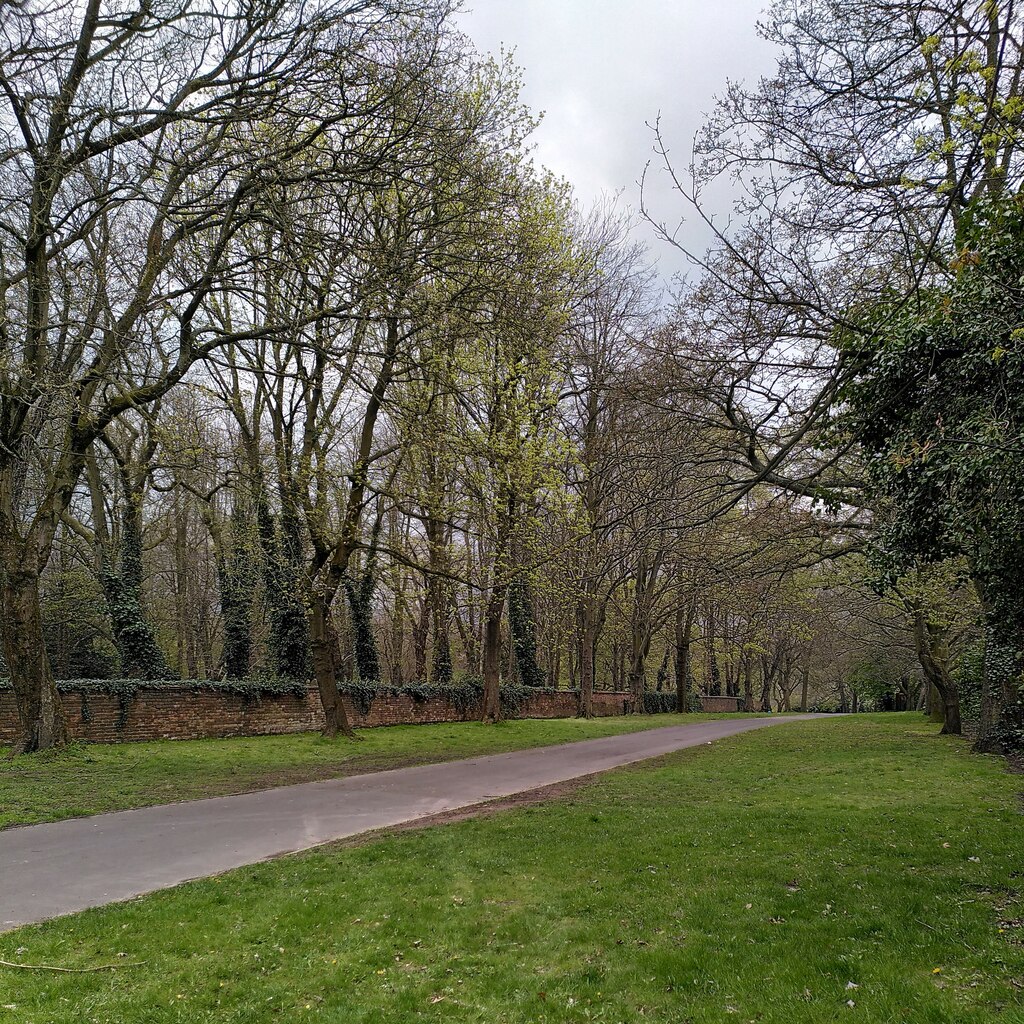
[[307, 372]]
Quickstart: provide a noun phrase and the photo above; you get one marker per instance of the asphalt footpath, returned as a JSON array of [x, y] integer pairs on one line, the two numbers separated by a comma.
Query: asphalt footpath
[[67, 866]]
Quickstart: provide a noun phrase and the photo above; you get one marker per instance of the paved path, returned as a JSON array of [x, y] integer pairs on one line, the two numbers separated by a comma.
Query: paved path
[[60, 868]]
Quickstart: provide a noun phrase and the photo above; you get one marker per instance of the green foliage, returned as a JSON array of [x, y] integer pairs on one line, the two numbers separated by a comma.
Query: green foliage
[[136, 641], [140, 655], [364, 643], [874, 681], [968, 675], [75, 625], [280, 564], [463, 694], [238, 576], [251, 689], [936, 400], [524, 639], [663, 702]]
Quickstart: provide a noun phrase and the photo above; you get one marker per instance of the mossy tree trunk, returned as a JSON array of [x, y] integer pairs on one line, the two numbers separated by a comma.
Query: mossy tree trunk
[[523, 627], [40, 713]]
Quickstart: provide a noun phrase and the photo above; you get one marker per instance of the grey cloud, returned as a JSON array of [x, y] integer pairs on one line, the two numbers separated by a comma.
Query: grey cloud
[[602, 69]]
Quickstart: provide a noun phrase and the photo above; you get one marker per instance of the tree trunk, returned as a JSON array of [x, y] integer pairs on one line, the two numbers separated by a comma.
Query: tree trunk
[[523, 632], [181, 590], [685, 615], [748, 683], [420, 628], [40, 713], [786, 689], [325, 669], [591, 622], [492, 656], [933, 654], [588, 646], [805, 679], [441, 647], [714, 686], [768, 671]]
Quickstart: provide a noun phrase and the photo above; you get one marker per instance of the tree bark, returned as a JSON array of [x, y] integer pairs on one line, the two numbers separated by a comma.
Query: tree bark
[[714, 685], [748, 683], [325, 669], [933, 653], [591, 622], [588, 645], [40, 713], [492, 655], [685, 615]]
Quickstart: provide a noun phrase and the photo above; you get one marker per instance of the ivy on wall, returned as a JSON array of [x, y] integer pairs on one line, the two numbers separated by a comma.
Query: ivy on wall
[[463, 694]]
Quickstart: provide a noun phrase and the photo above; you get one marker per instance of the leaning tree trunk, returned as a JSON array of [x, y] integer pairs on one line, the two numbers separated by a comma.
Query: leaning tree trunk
[[492, 656], [325, 669], [933, 654], [40, 713]]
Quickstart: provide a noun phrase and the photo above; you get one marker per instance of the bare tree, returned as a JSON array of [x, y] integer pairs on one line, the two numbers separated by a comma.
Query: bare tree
[[136, 143]]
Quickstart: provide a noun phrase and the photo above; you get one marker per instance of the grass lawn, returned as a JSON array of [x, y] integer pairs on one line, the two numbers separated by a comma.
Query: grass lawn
[[92, 778], [858, 869]]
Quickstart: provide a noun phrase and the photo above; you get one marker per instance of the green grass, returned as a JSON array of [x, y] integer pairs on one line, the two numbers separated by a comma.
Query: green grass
[[93, 778], [756, 879]]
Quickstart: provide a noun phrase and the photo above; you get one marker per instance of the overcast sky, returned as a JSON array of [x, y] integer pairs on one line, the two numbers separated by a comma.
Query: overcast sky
[[600, 69]]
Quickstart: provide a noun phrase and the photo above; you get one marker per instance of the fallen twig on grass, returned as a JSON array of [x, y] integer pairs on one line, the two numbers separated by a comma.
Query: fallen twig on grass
[[71, 970]]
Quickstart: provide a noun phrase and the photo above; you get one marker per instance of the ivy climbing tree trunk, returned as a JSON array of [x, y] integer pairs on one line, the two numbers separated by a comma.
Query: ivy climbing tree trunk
[[141, 657], [237, 575], [289, 642], [360, 602], [523, 629]]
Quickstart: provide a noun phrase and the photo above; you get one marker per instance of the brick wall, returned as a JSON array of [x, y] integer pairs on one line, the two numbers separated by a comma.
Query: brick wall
[[186, 714]]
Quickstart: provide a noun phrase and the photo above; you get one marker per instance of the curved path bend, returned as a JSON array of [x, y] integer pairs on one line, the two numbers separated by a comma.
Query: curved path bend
[[59, 868]]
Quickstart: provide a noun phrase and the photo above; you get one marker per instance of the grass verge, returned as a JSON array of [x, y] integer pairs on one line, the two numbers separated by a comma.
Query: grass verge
[[860, 869], [93, 778]]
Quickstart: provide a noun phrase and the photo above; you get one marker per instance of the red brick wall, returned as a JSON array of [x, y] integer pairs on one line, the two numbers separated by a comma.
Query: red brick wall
[[185, 713], [713, 705]]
